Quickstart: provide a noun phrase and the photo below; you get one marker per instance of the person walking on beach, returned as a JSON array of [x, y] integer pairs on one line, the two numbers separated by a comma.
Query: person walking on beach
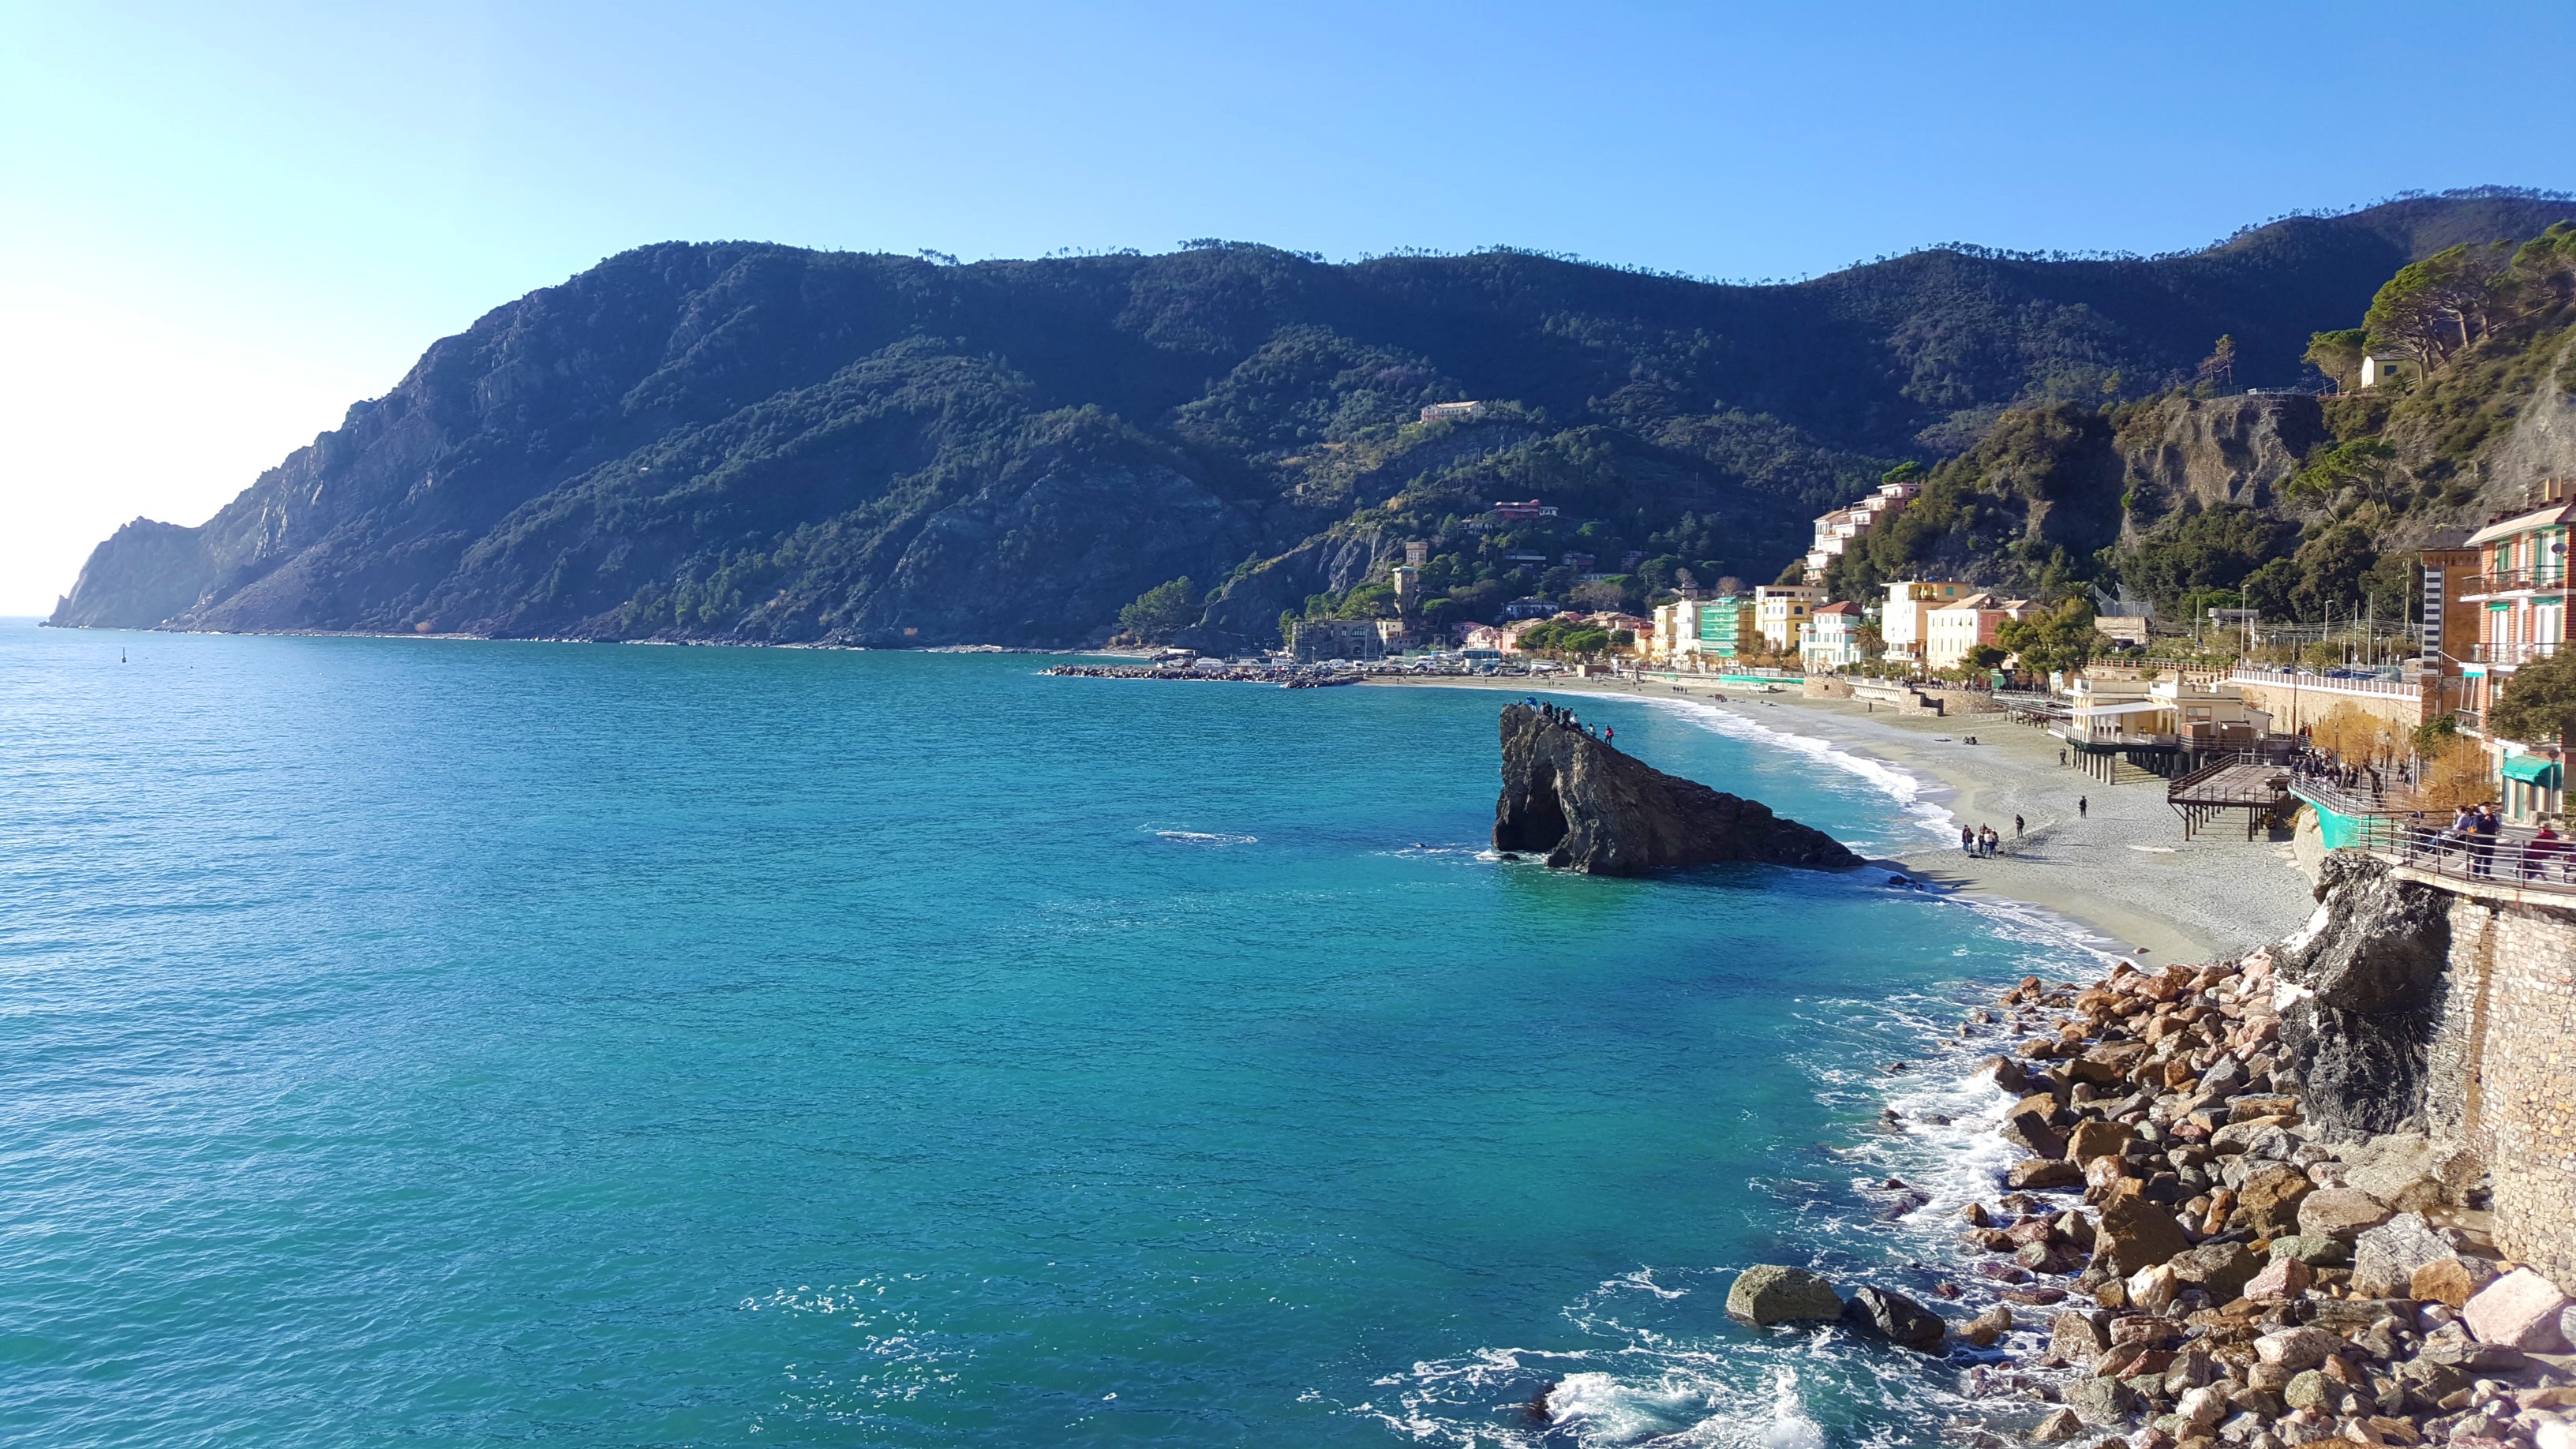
[[2080, 804], [1967, 841], [2016, 827]]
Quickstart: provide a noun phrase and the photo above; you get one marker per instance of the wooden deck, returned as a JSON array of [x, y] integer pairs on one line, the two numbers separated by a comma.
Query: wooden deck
[[2258, 787]]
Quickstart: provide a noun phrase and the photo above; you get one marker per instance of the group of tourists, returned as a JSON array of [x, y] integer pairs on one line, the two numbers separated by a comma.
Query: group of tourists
[[2349, 777], [1559, 714], [1982, 843], [2476, 836]]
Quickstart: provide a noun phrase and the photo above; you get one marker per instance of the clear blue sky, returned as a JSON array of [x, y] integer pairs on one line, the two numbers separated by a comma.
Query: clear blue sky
[[228, 221]]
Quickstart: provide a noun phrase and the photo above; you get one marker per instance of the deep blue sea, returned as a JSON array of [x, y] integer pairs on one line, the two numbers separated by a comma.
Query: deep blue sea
[[448, 1042]]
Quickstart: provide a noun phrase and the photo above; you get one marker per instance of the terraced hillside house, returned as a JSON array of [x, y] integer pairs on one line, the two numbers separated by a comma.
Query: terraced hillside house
[[1836, 530]]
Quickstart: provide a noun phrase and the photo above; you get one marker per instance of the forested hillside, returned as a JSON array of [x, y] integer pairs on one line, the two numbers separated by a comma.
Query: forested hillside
[[2295, 505], [758, 443]]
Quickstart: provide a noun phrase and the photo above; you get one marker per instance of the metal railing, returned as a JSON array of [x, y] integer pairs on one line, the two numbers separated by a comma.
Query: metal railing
[[2383, 794], [2522, 652], [2346, 684], [2505, 581], [2509, 859]]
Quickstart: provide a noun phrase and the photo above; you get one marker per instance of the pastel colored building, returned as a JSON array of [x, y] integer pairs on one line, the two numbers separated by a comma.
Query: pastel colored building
[[1830, 639], [1779, 610], [1954, 631], [1836, 530], [1904, 621]]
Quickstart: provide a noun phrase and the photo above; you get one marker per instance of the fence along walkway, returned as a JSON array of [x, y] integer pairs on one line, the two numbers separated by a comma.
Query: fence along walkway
[[2513, 865]]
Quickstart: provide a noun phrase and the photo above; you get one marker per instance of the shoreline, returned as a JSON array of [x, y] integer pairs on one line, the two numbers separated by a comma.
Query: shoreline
[[2119, 870]]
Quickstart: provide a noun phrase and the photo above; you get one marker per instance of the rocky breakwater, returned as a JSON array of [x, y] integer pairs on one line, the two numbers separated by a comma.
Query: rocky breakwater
[[1583, 805], [2224, 1268]]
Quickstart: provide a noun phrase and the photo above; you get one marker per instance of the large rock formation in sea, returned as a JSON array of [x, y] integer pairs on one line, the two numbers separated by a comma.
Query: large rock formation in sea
[[1588, 807]]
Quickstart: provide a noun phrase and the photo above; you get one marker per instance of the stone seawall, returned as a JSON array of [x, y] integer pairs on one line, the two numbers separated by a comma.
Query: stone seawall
[[2501, 1070]]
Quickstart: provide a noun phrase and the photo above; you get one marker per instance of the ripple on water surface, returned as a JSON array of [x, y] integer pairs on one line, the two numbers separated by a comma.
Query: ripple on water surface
[[464, 1042]]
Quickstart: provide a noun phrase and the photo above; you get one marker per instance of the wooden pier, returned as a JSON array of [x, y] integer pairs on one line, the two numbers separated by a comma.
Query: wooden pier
[[2246, 782]]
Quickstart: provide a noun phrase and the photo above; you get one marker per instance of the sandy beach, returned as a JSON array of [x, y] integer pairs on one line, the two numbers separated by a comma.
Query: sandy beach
[[2121, 869]]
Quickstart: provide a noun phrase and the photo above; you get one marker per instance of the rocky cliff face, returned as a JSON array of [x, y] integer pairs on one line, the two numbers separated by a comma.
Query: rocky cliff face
[[1587, 807], [2201, 453], [2361, 994]]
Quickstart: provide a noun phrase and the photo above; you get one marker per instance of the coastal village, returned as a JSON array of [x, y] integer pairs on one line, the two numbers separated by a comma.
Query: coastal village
[[2397, 710], [2319, 1191]]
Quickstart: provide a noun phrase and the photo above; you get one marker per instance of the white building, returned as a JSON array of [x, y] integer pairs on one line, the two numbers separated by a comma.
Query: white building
[[1836, 530], [1904, 622], [1830, 639]]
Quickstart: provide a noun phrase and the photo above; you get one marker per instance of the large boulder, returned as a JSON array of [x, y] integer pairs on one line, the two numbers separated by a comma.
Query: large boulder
[[2134, 1232], [2340, 1212], [2027, 1126], [1878, 1313], [2220, 1270], [2101, 1403], [2096, 1137], [2384, 1259], [2519, 1310], [2295, 1349], [2452, 1281], [1768, 1294], [2073, 1337], [2269, 1198], [2360, 988], [1586, 806], [2411, 1172]]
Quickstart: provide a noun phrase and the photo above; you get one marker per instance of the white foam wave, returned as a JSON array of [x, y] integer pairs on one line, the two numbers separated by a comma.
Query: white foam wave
[[1202, 837], [1919, 800]]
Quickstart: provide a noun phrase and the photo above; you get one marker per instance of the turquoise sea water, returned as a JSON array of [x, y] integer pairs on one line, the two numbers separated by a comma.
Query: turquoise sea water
[[457, 1043]]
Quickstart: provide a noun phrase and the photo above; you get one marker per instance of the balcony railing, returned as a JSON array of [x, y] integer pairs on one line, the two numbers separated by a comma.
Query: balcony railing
[[2505, 581], [2509, 859], [2523, 652]]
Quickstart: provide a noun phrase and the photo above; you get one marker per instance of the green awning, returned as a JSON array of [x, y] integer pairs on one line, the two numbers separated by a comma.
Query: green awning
[[2537, 770]]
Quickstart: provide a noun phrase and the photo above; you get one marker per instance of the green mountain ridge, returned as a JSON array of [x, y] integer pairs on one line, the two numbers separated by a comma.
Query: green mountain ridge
[[755, 443]]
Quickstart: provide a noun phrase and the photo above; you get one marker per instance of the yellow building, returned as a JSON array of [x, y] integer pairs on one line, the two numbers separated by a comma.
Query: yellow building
[[1904, 622], [1780, 609]]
